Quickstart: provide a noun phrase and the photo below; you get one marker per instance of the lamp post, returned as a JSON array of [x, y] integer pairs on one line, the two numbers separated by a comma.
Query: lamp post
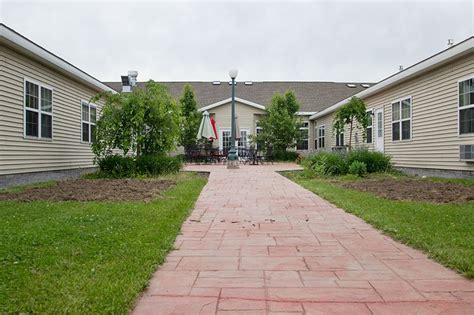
[[232, 157]]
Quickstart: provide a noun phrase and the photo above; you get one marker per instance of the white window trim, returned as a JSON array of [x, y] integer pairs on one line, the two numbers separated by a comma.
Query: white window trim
[[307, 133], [221, 137], [323, 137], [91, 105], [372, 114], [402, 119], [248, 138], [461, 135], [38, 110]]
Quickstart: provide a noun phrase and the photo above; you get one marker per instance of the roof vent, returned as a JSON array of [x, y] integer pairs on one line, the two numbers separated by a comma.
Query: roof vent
[[248, 83], [400, 68], [230, 83], [132, 77], [351, 85], [216, 83], [365, 85]]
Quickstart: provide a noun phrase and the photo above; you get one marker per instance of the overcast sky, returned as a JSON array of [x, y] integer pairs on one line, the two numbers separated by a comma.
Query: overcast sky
[[265, 41]]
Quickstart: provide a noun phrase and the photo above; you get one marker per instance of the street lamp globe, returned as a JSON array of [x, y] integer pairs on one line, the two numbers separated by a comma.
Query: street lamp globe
[[233, 73]]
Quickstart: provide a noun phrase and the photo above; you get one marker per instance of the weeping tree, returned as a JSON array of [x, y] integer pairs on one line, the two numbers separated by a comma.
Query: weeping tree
[[142, 122], [191, 118], [280, 125], [352, 114]]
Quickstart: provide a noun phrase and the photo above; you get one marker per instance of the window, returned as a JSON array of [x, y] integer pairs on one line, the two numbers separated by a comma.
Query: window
[[466, 106], [315, 138], [243, 143], [88, 120], [303, 141], [38, 111], [321, 136], [340, 139], [226, 140], [401, 120], [368, 131], [258, 129]]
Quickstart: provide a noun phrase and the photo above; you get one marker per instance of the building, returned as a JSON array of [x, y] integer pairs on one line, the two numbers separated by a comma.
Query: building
[[46, 120], [251, 100], [423, 116]]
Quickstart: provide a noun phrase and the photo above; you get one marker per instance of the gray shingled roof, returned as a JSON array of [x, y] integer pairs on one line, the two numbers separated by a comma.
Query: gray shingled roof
[[313, 96]]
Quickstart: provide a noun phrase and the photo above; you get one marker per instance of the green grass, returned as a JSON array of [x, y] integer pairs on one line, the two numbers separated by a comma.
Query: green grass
[[87, 257], [444, 231]]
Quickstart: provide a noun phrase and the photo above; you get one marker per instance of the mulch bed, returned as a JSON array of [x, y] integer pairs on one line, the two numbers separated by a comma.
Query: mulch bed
[[94, 190], [413, 189]]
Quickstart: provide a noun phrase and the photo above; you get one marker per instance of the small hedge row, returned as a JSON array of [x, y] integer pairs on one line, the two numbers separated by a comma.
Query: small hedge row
[[119, 166], [356, 162]]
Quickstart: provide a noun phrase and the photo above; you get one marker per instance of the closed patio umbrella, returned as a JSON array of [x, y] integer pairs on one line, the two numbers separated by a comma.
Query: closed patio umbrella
[[205, 129], [237, 128]]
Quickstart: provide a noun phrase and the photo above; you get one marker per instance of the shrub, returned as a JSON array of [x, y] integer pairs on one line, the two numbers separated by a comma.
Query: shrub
[[327, 163], [286, 156], [157, 164], [117, 166], [358, 168], [375, 161]]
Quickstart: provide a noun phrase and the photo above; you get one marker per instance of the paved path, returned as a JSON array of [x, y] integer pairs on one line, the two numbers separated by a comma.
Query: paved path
[[256, 243]]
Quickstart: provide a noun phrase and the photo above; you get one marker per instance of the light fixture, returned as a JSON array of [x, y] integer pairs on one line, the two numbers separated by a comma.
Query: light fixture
[[233, 73]]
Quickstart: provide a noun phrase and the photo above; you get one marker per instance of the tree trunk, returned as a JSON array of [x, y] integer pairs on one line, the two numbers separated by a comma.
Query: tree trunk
[[350, 135]]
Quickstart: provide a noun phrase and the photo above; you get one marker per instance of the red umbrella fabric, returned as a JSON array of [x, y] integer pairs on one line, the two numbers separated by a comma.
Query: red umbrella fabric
[[213, 123]]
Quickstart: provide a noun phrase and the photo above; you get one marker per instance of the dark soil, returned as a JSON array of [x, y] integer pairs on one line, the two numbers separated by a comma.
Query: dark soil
[[413, 189], [94, 190]]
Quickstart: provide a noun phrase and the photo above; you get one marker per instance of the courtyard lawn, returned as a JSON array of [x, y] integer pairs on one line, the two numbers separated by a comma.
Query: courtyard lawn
[[444, 231], [87, 257]]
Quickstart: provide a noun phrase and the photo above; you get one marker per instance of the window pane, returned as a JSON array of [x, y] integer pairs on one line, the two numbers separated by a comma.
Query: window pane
[[85, 112], [31, 97], [466, 121], [302, 145], [396, 131], [85, 132], [93, 114], [379, 125], [92, 133], [369, 118], [46, 126], [46, 100], [396, 111], [471, 84], [461, 87], [405, 129], [369, 135], [406, 109], [31, 124]]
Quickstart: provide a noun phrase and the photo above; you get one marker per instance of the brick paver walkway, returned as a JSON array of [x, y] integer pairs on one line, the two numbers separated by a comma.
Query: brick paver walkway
[[257, 243]]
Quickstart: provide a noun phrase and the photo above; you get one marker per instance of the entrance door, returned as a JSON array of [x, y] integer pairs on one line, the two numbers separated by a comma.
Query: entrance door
[[379, 130]]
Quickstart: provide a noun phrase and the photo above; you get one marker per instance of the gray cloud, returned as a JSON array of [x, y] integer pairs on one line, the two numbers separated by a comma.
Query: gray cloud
[[307, 41]]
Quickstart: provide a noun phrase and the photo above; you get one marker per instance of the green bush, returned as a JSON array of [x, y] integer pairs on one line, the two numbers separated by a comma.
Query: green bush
[[157, 165], [119, 166], [327, 163], [358, 168], [338, 163], [286, 156], [375, 161]]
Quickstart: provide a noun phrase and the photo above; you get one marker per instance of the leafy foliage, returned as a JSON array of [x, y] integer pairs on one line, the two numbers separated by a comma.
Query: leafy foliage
[[190, 117], [358, 168], [118, 166], [339, 163], [375, 161], [142, 122], [354, 114], [280, 126]]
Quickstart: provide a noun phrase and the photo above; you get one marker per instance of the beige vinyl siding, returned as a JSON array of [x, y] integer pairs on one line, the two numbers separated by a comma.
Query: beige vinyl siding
[[247, 114], [435, 137], [65, 151]]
